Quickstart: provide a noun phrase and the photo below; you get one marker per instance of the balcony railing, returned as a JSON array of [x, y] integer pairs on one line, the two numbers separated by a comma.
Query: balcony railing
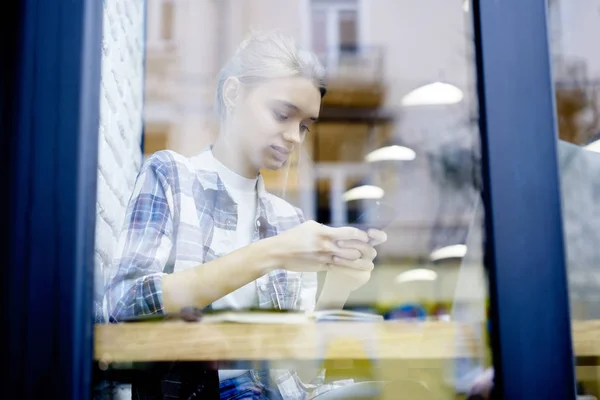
[[356, 64], [355, 77]]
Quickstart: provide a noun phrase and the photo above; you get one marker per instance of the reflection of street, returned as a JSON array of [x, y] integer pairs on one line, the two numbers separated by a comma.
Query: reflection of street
[[358, 340]]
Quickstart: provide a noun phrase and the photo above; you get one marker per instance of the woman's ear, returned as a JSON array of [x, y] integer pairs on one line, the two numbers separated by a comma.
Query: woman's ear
[[231, 92]]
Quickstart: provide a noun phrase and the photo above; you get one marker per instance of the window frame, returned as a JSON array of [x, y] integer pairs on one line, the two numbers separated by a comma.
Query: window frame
[[51, 326], [529, 312], [51, 139]]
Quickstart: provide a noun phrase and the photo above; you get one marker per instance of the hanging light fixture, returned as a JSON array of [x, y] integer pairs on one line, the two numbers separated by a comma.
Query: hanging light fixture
[[594, 145], [417, 274], [466, 5], [437, 93], [365, 192], [391, 153], [454, 251]]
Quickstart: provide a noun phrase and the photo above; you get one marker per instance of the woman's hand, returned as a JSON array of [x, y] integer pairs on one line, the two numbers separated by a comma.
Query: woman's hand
[[343, 278], [312, 247], [483, 385], [349, 278]]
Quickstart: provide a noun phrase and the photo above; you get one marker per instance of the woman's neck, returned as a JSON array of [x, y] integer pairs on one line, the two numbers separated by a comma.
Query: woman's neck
[[230, 156]]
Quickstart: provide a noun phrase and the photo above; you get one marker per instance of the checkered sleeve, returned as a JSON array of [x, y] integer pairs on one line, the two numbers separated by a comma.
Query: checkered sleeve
[[144, 245]]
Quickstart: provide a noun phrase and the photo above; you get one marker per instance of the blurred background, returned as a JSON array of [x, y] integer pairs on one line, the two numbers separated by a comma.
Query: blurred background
[[399, 125], [400, 78]]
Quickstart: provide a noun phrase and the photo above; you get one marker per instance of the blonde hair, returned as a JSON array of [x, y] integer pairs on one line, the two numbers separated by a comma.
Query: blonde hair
[[268, 55]]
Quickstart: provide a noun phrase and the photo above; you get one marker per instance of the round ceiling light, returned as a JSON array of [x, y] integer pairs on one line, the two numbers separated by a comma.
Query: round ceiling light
[[454, 251], [418, 274], [594, 146], [391, 153], [365, 192], [437, 93]]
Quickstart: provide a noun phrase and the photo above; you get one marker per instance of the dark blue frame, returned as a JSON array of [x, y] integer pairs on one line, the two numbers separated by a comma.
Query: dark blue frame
[[531, 334], [51, 135]]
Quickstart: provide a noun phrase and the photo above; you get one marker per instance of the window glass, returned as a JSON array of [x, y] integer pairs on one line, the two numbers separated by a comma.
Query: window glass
[[576, 66], [208, 280], [348, 26]]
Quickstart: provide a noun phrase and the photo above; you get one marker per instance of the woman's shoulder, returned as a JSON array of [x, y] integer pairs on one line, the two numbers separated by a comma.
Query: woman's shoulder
[[167, 159], [168, 164]]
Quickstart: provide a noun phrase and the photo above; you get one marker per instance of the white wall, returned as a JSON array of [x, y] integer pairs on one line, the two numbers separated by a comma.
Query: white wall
[[424, 41], [580, 32], [239, 17], [120, 132], [193, 78]]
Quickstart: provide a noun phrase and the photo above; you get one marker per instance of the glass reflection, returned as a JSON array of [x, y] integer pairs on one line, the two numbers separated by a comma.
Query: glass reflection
[[370, 136], [577, 83]]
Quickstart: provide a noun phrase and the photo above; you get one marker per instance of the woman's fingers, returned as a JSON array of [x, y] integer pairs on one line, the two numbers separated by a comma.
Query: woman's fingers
[[366, 250], [483, 384], [349, 243], [328, 248], [347, 253], [372, 236], [360, 264], [345, 233], [377, 237]]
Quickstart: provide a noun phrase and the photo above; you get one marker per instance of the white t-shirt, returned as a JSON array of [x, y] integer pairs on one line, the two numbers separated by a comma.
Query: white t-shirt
[[243, 191]]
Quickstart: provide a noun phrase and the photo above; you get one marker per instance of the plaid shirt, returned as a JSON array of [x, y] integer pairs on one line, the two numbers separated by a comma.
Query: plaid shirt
[[180, 215]]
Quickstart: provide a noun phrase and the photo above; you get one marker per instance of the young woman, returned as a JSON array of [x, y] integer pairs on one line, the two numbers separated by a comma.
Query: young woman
[[203, 231]]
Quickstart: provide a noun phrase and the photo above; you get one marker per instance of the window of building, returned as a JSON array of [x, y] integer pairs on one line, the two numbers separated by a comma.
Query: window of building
[[167, 19], [161, 22], [335, 29]]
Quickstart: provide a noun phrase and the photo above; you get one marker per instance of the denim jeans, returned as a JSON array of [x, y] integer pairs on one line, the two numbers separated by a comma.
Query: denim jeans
[[252, 385]]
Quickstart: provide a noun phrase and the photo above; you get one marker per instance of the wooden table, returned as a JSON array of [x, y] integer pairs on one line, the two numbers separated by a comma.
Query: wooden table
[[182, 341]]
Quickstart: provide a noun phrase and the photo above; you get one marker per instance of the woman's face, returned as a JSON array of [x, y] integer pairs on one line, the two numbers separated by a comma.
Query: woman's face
[[273, 117]]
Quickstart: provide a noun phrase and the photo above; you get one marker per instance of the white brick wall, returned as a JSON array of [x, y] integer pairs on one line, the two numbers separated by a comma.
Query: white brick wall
[[120, 135]]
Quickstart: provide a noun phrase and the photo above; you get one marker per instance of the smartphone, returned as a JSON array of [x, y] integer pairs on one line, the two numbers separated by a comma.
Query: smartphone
[[378, 216]]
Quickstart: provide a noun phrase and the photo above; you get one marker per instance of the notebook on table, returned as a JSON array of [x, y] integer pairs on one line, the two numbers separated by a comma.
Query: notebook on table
[[262, 316]]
